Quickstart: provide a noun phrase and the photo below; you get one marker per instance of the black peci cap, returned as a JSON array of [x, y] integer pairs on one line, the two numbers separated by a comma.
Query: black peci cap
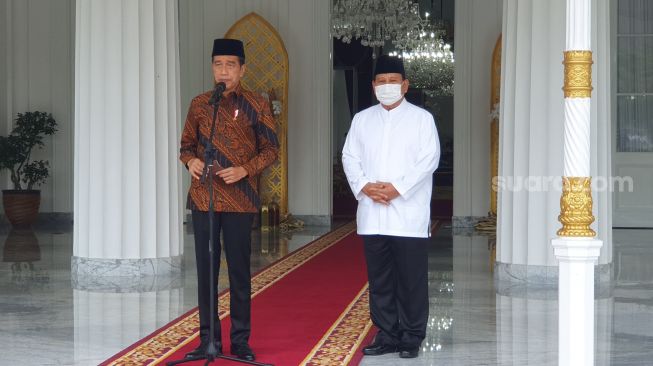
[[389, 65], [228, 47]]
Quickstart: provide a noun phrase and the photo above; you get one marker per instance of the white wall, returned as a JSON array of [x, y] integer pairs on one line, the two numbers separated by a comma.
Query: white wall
[[477, 27], [4, 127], [304, 28], [36, 73]]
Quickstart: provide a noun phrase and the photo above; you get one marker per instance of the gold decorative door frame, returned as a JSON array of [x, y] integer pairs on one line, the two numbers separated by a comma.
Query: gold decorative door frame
[[267, 72], [495, 96]]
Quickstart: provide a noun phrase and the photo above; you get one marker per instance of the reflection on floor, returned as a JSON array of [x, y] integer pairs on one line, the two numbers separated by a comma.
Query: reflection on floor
[[44, 321], [473, 323]]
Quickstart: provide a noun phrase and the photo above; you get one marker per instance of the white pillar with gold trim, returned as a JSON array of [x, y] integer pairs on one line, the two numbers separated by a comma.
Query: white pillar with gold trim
[[576, 247]]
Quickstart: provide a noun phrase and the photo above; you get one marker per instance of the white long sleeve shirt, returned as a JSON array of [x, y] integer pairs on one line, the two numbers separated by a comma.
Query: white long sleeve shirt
[[400, 146]]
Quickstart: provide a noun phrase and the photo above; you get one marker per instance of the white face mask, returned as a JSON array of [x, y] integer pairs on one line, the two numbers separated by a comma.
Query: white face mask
[[388, 94]]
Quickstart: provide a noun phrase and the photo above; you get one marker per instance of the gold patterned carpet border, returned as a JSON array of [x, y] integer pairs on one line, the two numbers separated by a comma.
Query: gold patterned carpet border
[[184, 330], [338, 345]]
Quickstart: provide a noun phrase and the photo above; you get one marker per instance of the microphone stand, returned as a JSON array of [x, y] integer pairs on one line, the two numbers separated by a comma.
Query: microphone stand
[[208, 175]]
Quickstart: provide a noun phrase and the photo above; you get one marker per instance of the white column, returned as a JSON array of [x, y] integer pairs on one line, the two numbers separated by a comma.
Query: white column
[[531, 157], [127, 122], [576, 299], [575, 248], [531, 131]]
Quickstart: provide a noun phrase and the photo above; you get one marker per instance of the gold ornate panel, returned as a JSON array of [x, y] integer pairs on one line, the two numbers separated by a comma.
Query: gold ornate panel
[[494, 127], [267, 72]]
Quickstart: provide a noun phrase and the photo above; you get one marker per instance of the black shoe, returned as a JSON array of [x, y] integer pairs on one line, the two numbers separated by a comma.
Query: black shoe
[[201, 350], [408, 352], [243, 352], [377, 349]]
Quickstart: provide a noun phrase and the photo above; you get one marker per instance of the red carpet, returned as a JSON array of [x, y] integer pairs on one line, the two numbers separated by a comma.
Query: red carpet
[[309, 308]]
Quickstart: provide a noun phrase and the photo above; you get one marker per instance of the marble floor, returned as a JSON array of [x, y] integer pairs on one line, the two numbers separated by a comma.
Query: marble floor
[[473, 320]]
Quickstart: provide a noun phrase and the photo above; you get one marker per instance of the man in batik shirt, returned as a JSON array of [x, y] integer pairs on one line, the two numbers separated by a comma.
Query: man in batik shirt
[[246, 143]]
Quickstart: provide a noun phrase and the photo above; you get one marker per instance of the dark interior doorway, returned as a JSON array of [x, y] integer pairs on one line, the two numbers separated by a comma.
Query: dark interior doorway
[[352, 92]]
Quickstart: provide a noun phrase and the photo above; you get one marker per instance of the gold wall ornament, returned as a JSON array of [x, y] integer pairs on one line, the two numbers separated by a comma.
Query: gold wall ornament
[[489, 224], [576, 207], [495, 95], [578, 74], [267, 72]]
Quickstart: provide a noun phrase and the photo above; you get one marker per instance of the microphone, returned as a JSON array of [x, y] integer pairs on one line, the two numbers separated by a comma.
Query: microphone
[[217, 93]]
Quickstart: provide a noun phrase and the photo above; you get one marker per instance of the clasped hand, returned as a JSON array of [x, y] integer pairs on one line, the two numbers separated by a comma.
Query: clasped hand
[[229, 175], [381, 192]]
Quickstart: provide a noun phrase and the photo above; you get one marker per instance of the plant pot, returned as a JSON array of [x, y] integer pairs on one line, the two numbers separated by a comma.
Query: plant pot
[[21, 206]]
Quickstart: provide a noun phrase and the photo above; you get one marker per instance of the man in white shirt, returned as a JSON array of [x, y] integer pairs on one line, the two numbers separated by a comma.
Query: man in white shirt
[[389, 157]]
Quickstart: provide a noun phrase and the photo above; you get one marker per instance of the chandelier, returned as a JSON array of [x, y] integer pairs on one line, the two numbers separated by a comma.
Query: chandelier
[[376, 21], [428, 60], [427, 42], [433, 48]]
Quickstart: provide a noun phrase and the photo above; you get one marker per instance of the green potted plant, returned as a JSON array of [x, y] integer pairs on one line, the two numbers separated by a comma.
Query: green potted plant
[[21, 204]]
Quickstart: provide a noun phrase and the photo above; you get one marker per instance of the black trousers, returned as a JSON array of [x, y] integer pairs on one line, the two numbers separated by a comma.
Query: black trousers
[[236, 229], [397, 270]]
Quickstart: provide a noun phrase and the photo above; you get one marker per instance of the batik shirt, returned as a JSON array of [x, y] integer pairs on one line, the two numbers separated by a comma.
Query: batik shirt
[[245, 136]]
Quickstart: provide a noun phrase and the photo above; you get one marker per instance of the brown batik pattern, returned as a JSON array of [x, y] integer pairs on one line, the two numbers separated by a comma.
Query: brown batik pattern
[[245, 136]]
